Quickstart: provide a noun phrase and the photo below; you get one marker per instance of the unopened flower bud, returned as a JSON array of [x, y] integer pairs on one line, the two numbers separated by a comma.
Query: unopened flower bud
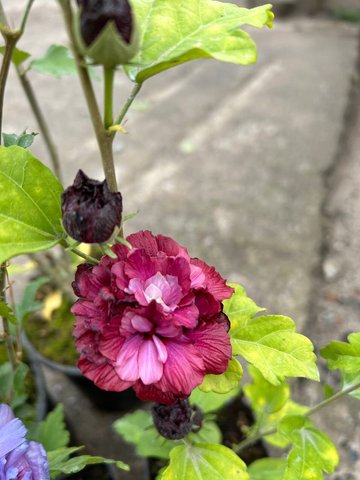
[[178, 420], [90, 211], [106, 31]]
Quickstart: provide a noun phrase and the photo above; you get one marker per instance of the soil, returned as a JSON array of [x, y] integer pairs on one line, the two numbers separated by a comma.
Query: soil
[[52, 337]]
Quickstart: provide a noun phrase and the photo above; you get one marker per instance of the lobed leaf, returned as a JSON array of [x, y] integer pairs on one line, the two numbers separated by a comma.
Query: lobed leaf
[[18, 56], [57, 61], [312, 452], [204, 462], [270, 403], [211, 401], [52, 432], [6, 312], [61, 462], [240, 309], [176, 32], [138, 429], [226, 382], [272, 345], [30, 212], [342, 355], [24, 140], [267, 469]]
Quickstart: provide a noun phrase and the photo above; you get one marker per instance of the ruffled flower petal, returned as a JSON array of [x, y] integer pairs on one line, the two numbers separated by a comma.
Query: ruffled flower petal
[[213, 343], [151, 318], [150, 364]]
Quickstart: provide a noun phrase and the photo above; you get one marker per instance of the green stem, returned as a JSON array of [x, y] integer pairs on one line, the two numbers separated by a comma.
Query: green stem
[[11, 37], [108, 96], [103, 139], [42, 124], [5, 324], [127, 105], [253, 439], [83, 255], [25, 16], [10, 41]]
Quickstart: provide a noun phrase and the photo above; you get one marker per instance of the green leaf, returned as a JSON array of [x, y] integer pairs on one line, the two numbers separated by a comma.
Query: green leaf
[[138, 428], [30, 212], [6, 380], [6, 312], [208, 433], [272, 345], [270, 404], [25, 140], [267, 469], [28, 302], [225, 382], [240, 308], [18, 56], [312, 452], [59, 461], [51, 432], [131, 426], [176, 32], [211, 401], [350, 380], [204, 462], [345, 356], [21, 372], [57, 62]]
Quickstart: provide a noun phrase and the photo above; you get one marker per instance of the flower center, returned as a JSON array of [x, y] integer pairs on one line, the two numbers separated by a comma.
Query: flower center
[[164, 289]]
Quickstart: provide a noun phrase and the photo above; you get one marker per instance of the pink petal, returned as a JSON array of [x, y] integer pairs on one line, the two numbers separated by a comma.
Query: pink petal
[[161, 349], [150, 366], [170, 247], [206, 303], [126, 364], [166, 327], [118, 273], [213, 343], [180, 268], [197, 277], [144, 240], [111, 341], [184, 369], [104, 375], [214, 282], [139, 265], [141, 324], [186, 316], [150, 393]]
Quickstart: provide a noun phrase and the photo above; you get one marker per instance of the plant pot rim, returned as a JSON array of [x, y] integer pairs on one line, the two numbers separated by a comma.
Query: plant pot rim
[[34, 354]]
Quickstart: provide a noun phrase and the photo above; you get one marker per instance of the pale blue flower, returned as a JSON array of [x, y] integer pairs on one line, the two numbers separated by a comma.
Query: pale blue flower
[[19, 458]]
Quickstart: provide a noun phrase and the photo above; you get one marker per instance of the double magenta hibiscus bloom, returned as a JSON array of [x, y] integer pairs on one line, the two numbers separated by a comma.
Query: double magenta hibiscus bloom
[[151, 318]]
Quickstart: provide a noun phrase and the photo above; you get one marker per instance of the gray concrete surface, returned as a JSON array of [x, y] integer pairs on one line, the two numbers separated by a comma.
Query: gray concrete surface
[[234, 162]]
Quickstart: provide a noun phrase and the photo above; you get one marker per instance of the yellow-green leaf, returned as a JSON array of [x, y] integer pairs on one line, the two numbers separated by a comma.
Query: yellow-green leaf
[[272, 345], [30, 211], [225, 382], [178, 31]]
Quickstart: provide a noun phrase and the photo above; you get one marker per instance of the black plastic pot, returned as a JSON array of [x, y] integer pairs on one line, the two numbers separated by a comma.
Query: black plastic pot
[[102, 399]]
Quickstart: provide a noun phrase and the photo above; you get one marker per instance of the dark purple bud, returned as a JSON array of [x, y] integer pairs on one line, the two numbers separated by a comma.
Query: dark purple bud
[[95, 15], [90, 211], [223, 320], [178, 420]]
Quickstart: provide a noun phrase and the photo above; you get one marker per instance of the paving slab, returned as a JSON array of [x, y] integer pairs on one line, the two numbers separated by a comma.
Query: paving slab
[[228, 160]]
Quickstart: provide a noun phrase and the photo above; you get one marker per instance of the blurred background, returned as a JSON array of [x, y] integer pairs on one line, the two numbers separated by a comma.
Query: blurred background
[[254, 169]]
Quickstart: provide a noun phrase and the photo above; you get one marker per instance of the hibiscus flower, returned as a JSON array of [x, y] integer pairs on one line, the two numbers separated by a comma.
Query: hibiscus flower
[[151, 318]]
